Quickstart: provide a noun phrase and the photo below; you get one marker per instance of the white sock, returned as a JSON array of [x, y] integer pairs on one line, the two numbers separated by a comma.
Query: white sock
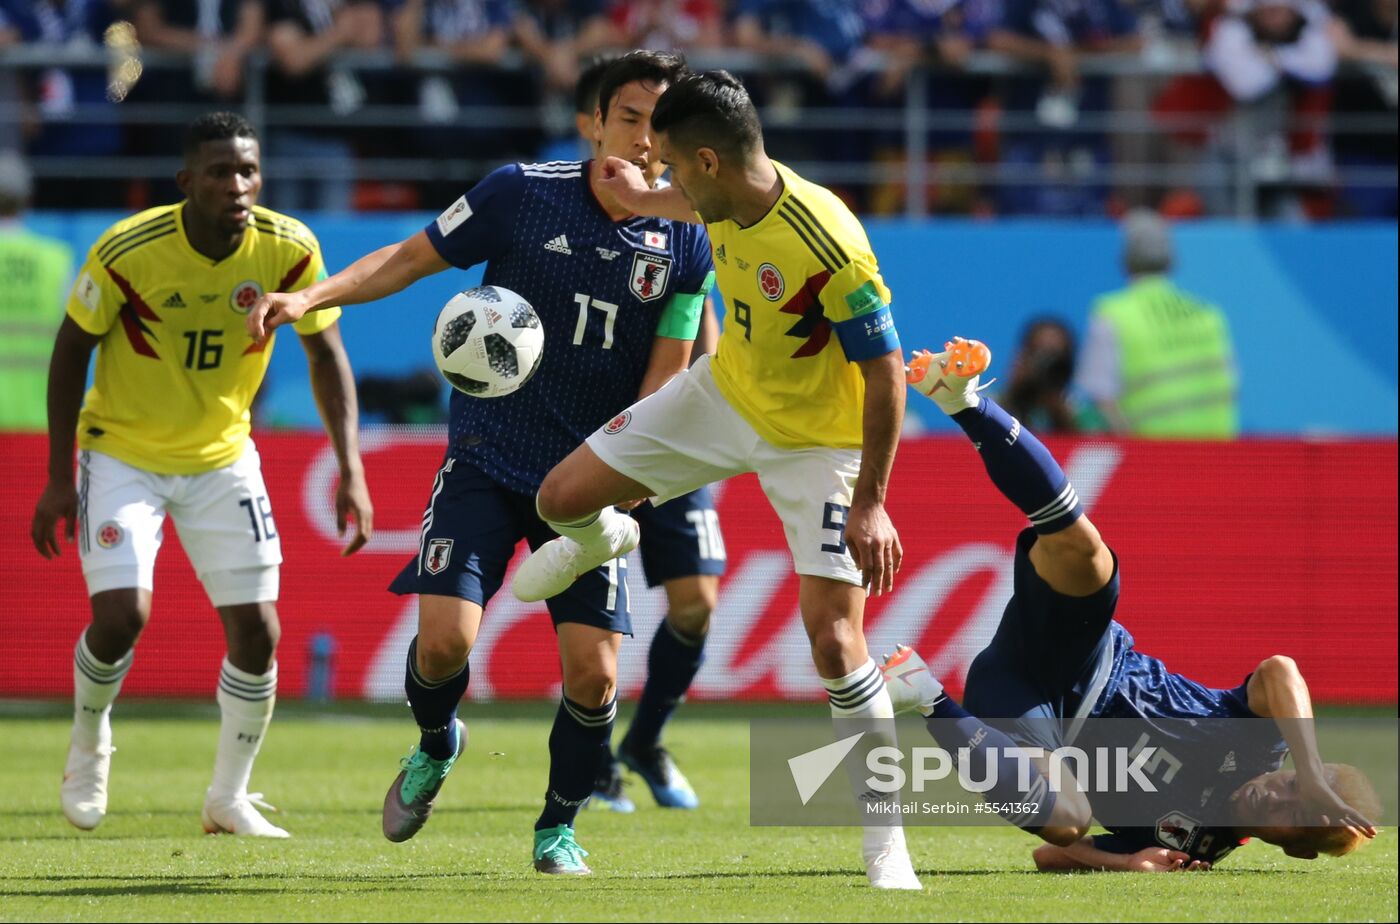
[[95, 687], [861, 694], [604, 531], [245, 706]]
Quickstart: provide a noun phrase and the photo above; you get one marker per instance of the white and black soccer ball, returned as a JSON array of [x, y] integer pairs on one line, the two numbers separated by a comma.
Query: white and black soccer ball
[[488, 341]]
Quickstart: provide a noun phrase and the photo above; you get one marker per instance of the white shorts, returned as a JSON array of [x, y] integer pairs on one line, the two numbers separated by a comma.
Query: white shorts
[[224, 518], [686, 435]]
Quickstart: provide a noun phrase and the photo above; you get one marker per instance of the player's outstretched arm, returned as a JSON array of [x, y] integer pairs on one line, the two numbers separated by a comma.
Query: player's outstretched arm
[[1278, 691], [1083, 855], [870, 535], [333, 383], [374, 276], [72, 352], [624, 181]]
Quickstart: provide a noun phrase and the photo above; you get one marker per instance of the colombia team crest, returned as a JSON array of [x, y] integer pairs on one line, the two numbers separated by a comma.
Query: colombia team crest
[[770, 282], [110, 534], [244, 296], [618, 423], [649, 276]]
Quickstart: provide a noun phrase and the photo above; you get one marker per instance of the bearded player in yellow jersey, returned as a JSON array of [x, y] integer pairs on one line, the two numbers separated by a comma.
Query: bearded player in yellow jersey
[[165, 429], [806, 390]]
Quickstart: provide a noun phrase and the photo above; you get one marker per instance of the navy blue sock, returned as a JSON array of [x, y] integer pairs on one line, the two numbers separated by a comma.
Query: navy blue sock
[[434, 705], [576, 746], [671, 665], [1021, 467], [954, 728]]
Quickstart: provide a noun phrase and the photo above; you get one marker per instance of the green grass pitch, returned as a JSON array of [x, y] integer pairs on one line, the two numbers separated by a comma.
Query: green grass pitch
[[328, 771]]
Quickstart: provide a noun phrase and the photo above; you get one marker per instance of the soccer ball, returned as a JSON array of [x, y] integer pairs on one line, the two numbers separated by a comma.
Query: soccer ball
[[488, 341]]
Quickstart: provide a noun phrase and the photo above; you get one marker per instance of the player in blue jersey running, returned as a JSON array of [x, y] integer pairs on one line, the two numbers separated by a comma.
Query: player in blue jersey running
[[1059, 658], [619, 297]]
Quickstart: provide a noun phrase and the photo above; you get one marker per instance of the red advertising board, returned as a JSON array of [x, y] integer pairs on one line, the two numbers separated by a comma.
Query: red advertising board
[[1229, 553]]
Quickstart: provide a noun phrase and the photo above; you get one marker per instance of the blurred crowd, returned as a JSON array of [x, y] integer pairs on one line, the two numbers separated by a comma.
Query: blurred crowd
[[1040, 138]]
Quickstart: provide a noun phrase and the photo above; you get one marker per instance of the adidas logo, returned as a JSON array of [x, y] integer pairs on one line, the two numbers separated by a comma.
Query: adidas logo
[[174, 301], [719, 255], [1228, 764], [559, 245]]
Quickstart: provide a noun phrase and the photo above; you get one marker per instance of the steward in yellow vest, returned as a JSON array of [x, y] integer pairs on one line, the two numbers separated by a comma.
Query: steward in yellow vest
[[1158, 361], [34, 275]]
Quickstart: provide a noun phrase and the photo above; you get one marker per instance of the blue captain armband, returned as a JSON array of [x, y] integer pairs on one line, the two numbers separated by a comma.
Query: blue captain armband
[[869, 336]]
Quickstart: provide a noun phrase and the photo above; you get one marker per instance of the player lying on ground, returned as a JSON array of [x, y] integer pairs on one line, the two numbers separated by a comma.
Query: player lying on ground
[[806, 389], [619, 298], [1058, 658], [165, 429]]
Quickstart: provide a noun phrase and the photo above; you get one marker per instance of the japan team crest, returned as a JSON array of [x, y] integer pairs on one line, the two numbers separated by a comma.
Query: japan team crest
[[438, 555], [1174, 830], [649, 276], [244, 296], [770, 282], [110, 534]]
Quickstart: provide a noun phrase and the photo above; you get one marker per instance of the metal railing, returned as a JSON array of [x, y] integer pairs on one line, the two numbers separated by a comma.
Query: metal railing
[[911, 121]]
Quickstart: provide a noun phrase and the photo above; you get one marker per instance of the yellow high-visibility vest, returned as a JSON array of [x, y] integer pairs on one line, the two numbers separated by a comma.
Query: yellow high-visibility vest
[[1176, 362], [34, 274]]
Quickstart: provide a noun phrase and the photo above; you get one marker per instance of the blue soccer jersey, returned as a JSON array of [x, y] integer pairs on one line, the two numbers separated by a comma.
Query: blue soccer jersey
[[1208, 744], [603, 290], [1056, 660]]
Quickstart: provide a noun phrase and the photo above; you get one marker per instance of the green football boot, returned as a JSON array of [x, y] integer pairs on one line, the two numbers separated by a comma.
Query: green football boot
[[557, 852], [409, 802]]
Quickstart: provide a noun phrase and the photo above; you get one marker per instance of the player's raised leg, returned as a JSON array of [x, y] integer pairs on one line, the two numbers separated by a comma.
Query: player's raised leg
[[578, 742], [101, 659], [680, 437], [577, 500], [1068, 554], [435, 680], [247, 695]]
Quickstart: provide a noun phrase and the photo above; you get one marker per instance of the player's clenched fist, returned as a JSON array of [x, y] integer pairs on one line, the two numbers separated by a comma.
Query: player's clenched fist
[[624, 180], [273, 310]]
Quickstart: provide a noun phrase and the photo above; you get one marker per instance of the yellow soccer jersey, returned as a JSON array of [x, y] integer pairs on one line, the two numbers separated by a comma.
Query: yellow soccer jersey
[[801, 274], [176, 372]]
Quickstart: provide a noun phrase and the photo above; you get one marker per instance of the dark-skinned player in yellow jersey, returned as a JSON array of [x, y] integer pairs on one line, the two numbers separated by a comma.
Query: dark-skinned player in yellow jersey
[[165, 430]]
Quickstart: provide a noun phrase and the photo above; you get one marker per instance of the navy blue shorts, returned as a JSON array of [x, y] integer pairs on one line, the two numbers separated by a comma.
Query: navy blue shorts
[[681, 538], [470, 531], [1046, 655]]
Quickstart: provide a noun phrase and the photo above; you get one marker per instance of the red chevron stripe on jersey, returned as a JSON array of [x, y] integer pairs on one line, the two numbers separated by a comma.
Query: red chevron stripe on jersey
[[134, 313], [293, 274], [812, 324]]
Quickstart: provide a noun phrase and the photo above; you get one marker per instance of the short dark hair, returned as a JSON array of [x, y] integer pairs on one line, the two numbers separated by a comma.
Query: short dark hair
[[586, 90], [216, 126], [710, 109], [653, 67]]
